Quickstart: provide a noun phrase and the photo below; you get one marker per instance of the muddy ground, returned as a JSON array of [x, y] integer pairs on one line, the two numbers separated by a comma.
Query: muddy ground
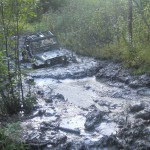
[[88, 105]]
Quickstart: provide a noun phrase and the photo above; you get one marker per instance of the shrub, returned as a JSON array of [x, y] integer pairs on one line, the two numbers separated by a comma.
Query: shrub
[[8, 137]]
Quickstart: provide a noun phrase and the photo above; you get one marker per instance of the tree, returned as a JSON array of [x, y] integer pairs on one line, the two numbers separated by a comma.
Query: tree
[[144, 10], [14, 14], [130, 20]]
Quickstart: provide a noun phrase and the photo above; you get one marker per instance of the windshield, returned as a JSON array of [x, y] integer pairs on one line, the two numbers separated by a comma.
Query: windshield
[[42, 45]]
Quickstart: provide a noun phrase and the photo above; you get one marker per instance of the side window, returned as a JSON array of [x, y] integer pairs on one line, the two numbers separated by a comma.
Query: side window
[[35, 45]]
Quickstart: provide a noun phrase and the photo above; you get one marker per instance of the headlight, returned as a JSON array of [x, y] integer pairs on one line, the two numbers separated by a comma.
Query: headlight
[[63, 58]]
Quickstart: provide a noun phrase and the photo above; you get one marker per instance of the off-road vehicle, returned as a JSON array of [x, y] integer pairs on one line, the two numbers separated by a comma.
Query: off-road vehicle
[[38, 49]]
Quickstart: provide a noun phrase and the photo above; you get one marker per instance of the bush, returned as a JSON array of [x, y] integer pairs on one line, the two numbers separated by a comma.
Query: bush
[[8, 137], [28, 103], [14, 104]]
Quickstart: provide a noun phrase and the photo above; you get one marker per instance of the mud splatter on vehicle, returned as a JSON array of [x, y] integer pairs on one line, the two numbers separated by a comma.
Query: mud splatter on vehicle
[[38, 50]]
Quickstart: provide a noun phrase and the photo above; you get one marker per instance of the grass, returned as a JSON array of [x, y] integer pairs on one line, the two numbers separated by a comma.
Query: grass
[[9, 138]]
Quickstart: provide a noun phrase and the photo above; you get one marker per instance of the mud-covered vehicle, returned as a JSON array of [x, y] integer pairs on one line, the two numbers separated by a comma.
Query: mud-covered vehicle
[[38, 49]]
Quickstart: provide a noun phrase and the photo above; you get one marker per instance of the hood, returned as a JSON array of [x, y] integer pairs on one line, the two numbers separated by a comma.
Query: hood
[[49, 55]]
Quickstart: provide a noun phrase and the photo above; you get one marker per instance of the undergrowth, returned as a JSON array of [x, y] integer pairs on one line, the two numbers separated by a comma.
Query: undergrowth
[[9, 138], [100, 29]]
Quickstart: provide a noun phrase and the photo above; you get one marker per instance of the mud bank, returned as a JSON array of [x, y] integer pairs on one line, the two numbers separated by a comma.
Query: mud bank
[[116, 72]]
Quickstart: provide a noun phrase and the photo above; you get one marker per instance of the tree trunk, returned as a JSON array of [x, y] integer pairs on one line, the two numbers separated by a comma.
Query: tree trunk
[[130, 20], [18, 53]]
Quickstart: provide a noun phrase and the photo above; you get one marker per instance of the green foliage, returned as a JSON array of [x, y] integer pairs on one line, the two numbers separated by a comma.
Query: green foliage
[[2, 66], [13, 16], [52, 4], [29, 103], [13, 130], [10, 105], [100, 28], [8, 137], [83, 24], [42, 7]]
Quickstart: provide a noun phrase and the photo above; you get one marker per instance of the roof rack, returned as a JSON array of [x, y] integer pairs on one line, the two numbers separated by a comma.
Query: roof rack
[[39, 36]]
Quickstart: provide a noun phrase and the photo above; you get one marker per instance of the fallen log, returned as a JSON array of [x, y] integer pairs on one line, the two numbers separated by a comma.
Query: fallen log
[[75, 131]]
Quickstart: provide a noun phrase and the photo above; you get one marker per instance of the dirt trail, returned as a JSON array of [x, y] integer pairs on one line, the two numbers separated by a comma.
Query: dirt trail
[[78, 112]]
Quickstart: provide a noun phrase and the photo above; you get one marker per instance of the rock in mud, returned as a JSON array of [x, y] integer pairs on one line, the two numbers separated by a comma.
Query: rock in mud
[[40, 92], [110, 142], [144, 92], [143, 115], [135, 84], [135, 136], [48, 126], [52, 97], [65, 146], [124, 76], [145, 79], [136, 108], [103, 103], [44, 144], [41, 112], [92, 119], [49, 100], [110, 71], [59, 96], [140, 81], [30, 80], [74, 145], [60, 139]]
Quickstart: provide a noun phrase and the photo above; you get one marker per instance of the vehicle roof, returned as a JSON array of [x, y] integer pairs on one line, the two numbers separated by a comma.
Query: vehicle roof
[[39, 36]]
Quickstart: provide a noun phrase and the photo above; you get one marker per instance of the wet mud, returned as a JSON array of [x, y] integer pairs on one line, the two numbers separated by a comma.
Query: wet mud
[[88, 105]]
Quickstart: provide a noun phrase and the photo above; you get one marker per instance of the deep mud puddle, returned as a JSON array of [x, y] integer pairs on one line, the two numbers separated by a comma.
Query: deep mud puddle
[[64, 106]]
